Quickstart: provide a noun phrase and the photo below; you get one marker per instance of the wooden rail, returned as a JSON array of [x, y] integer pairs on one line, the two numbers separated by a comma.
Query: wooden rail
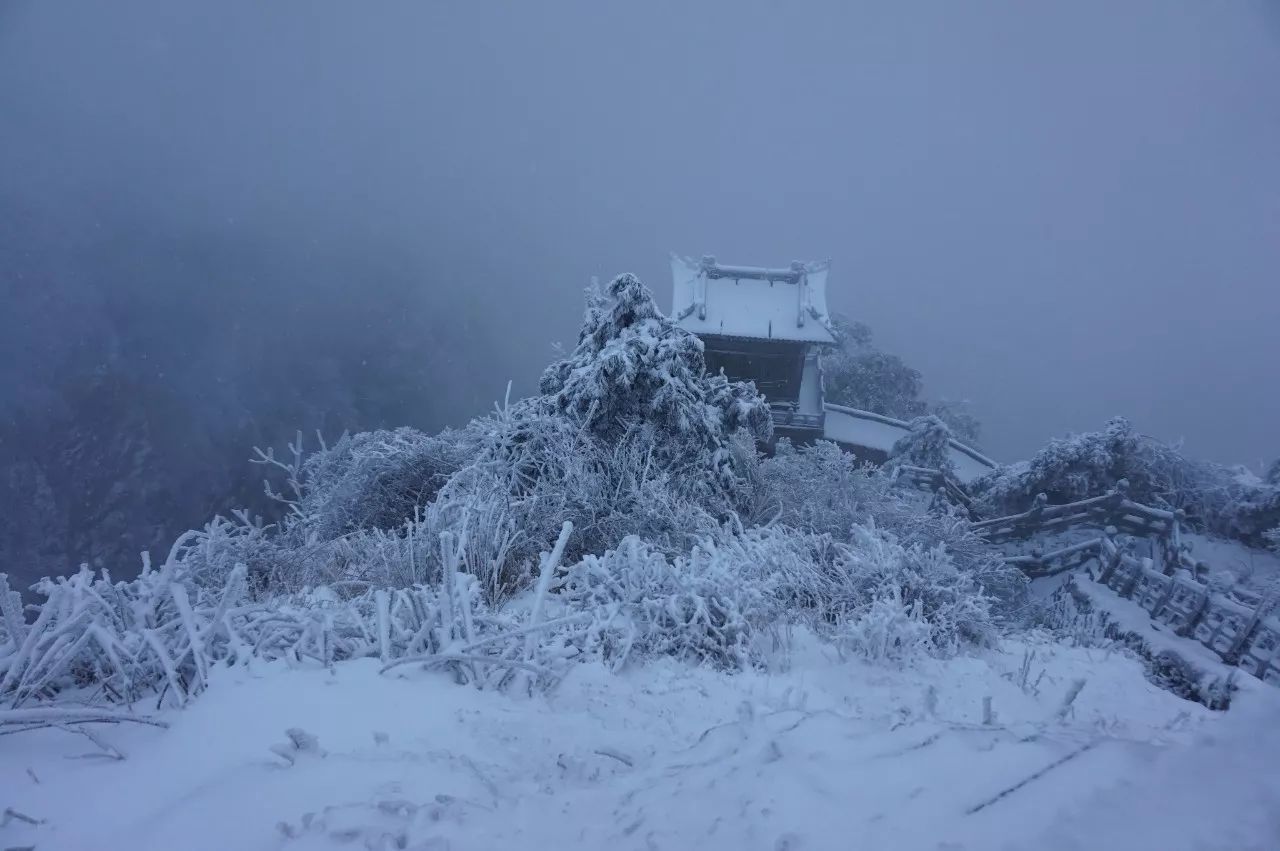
[[1242, 632], [1165, 584], [944, 488]]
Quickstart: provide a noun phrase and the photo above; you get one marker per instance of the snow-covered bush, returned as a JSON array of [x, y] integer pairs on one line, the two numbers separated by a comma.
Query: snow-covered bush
[[714, 604], [926, 444], [699, 608], [1070, 469], [887, 630], [818, 488], [541, 471], [376, 479], [830, 583], [1214, 498], [634, 366], [822, 489], [123, 639], [1067, 616], [273, 562], [972, 555], [115, 642], [1245, 512], [952, 601]]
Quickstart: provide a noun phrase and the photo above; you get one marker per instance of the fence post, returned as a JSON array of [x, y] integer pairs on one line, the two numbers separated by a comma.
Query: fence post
[[1113, 557], [1158, 554], [1037, 510]]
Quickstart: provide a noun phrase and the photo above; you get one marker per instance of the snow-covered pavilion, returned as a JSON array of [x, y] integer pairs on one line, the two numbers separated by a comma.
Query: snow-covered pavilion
[[769, 326]]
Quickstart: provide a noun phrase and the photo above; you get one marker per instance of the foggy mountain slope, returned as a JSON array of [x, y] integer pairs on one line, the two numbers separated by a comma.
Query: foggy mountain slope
[[159, 359]]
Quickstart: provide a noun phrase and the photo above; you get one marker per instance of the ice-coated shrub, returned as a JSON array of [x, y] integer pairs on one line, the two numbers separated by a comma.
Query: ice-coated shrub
[[272, 562], [1070, 469], [1244, 511], [632, 365], [1066, 616], [887, 630], [99, 641], [547, 471], [956, 606], [926, 444], [698, 608], [822, 489], [970, 553], [376, 479], [1213, 497], [825, 582], [818, 488]]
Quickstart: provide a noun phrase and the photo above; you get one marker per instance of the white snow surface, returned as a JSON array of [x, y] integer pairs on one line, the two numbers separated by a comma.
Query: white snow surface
[[1235, 562], [828, 754]]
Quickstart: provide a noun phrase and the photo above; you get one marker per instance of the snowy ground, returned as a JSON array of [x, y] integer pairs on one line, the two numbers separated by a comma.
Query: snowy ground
[[828, 755], [1235, 562]]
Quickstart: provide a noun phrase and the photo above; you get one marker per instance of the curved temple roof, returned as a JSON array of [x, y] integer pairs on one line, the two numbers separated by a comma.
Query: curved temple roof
[[745, 301]]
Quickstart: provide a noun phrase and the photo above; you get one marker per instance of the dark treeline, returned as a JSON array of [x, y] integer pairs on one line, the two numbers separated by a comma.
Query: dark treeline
[[142, 364]]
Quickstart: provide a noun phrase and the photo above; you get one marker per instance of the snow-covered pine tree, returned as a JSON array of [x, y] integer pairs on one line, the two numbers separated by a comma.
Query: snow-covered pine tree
[[926, 445], [634, 368]]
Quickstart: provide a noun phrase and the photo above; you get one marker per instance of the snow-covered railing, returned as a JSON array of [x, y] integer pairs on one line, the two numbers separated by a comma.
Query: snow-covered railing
[[1037, 563], [1164, 584], [785, 417], [946, 492], [936, 482], [1113, 512], [1162, 527], [1242, 632]]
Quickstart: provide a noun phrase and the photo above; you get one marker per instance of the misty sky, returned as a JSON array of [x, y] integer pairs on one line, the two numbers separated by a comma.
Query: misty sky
[[1061, 214]]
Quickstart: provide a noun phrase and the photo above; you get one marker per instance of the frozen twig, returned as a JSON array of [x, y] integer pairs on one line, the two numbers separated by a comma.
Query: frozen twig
[[10, 814], [108, 750], [54, 716], [612, 754]]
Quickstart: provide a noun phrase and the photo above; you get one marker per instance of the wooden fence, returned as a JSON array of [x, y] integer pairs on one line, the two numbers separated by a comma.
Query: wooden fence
[[1242, 632], [1166, 583], [944, 488]]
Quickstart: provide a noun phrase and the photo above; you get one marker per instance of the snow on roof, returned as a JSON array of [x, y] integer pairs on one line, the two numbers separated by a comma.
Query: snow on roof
[[747, 301]]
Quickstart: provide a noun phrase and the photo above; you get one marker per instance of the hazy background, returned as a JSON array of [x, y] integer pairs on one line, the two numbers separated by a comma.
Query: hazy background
[[219, 220]]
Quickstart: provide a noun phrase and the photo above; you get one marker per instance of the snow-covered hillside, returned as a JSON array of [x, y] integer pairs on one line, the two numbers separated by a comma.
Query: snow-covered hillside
[[599, 618], [827, 754]]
